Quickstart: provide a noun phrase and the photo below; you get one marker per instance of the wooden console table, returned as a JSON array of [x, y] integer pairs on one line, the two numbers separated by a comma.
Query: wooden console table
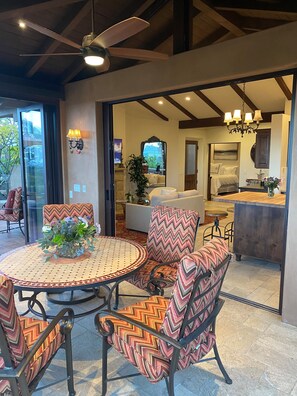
[[259, 225]]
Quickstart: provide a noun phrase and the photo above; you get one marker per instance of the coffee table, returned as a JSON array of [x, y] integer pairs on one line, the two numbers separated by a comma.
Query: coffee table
[[112, 260]]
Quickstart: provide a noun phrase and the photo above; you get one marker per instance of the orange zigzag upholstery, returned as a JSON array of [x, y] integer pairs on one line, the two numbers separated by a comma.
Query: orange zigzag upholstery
[[17, 212], [193, 299], [171, 236], [56, 212], [21, 333]]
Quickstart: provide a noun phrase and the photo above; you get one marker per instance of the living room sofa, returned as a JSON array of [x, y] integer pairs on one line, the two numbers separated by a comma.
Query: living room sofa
[[138, 216]]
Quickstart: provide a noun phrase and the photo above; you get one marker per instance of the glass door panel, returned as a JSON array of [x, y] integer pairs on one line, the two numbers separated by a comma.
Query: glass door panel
[[33, 169]]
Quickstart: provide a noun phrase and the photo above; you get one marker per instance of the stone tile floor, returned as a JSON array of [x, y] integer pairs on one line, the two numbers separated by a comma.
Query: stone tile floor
[[257, 349]]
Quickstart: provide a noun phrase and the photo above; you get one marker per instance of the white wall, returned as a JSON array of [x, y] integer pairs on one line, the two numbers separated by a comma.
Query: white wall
[[193, 68]]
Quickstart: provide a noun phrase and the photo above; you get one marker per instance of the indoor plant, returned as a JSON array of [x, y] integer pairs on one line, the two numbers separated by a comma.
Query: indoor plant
[[68, 237], [135, 171], [271, 183]]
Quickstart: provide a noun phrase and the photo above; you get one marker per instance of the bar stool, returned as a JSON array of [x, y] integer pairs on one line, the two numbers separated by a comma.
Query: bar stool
[[215, 231], [229, 227]]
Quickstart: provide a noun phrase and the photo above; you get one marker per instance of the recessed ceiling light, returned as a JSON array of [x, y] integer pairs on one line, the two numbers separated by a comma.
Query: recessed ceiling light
[[187, 98], [160, 102], [22, 24]]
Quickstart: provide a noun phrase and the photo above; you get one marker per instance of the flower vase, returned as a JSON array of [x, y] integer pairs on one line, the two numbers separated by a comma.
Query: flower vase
[[70, 250], [270, 192]]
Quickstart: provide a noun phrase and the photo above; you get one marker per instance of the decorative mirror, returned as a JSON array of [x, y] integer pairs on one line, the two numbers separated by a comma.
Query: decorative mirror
[[253, 152], [154, 151]]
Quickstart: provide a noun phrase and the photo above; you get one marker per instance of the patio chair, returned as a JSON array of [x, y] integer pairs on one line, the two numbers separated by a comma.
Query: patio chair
[[172, 235], [12, 210], [162, 335], [56, 212], [28, 345]]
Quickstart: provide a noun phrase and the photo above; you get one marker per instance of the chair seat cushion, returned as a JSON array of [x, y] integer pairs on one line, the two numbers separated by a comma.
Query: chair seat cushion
[[141, 278], [8, 217], [142, 349], [138, 346]]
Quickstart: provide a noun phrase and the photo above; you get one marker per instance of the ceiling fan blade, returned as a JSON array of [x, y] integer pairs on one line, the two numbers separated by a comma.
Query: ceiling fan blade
[[135, 53], [120, 31], [103, 68], [51, 34], [56, 54]]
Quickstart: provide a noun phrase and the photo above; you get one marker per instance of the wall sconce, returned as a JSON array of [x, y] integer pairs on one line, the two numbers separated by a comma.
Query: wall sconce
[[75, 140]]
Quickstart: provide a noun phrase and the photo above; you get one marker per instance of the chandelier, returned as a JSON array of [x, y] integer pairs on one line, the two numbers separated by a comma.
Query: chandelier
[[244, 122]]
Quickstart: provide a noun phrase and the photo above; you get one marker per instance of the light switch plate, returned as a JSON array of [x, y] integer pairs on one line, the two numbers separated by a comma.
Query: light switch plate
[[76, 187], [70, 194], [84, 188]]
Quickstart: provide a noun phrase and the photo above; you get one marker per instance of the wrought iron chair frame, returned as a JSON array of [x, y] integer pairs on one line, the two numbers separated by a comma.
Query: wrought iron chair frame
[[177, 345], [16, 376]]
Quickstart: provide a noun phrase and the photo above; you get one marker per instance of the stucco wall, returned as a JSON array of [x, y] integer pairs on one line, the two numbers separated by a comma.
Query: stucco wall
[[242, 57]]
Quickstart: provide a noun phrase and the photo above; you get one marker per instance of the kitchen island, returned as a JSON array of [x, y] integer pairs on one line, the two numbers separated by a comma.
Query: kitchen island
[[259, 225]]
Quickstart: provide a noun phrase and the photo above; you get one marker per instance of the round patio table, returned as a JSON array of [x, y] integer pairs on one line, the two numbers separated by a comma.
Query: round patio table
[[112, 260]]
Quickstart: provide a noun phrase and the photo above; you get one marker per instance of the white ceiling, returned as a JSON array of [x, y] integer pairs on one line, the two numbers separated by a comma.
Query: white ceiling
[[265, 94]]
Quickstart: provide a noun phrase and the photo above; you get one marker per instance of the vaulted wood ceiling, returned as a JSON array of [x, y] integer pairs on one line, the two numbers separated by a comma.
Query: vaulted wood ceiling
[[175, 26]]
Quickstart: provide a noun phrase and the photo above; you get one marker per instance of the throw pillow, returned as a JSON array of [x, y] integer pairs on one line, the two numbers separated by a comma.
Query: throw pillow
[[229, 170], [167, 190], [9, 202], [188, 193], [215, 168]]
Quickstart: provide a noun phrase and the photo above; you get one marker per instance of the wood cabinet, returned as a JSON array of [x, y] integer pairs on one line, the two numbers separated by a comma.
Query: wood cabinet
[[262, 152]]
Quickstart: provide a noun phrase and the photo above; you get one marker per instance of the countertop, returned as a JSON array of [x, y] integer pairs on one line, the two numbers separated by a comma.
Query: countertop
[[254, 198]]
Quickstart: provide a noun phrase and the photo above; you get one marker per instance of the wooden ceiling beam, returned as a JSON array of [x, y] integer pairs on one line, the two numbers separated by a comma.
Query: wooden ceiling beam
[[243, 96], [288, 7], [180, 107], [152, 110], [182, 26], [217, 17], [68, 28], [283, 86], [217, 121], [209, 103], [17, 10], [211, 38]]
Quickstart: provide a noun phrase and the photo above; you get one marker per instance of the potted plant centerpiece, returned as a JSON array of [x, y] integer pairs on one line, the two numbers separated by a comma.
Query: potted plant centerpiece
[[68, 238], [135, 170]]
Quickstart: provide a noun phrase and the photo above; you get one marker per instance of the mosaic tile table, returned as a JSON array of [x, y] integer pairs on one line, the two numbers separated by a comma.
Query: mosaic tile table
[[113, 259]]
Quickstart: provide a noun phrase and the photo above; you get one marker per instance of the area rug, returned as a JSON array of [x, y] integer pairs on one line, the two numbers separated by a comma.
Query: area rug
[[140, 237]]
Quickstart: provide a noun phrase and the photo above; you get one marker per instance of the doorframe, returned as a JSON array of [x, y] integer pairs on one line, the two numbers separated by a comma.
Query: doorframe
[[191, 141]]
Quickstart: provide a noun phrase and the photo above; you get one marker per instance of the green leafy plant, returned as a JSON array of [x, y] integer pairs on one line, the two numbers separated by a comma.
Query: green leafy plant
[[135, 171], [68, 237], [9, 149]]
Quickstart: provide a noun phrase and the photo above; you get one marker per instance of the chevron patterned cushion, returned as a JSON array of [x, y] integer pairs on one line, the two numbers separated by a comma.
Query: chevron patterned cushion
[[16, 214], [192, 266], [138, 346], [57, 212], [171, 234], [142, 277], [21, 333]]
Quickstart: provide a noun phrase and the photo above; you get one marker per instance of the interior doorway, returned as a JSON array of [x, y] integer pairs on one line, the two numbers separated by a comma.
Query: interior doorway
[[191, 165]]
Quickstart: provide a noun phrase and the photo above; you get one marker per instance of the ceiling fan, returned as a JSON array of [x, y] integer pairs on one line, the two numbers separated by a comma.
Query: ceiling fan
[[96, 49]]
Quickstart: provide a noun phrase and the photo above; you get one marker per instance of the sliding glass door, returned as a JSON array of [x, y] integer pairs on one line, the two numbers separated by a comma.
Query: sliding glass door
[[41, 167]]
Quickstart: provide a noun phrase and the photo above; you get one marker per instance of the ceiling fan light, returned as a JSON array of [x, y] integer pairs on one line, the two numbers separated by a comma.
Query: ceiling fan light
[[93, 56], [94, 60]]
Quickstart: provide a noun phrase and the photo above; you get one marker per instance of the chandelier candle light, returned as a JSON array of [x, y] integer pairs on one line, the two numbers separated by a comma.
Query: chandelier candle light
[[243, 120]]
